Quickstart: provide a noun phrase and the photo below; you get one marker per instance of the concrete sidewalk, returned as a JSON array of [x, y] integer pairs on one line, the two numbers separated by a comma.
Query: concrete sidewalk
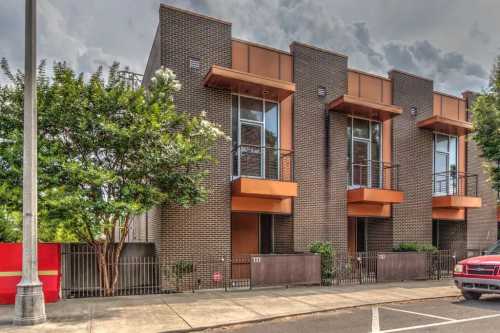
[[188, 311]]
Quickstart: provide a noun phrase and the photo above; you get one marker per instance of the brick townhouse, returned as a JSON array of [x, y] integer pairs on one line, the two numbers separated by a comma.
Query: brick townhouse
[[319, 151]]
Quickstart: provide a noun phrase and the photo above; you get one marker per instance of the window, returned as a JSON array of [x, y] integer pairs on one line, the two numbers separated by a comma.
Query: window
[[364, 153], [255, 130], [445, 164]]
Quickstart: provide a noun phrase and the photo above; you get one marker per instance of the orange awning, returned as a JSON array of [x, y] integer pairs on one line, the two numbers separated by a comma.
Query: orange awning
[[248, 83], [364, 107], [446, 125]]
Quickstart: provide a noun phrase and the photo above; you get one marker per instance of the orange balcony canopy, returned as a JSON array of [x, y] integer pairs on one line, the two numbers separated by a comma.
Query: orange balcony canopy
[[248, 83]]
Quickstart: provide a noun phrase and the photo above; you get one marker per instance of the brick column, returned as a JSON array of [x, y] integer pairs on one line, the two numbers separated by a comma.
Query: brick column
[[320, 212], [204, 229], [412, 150]]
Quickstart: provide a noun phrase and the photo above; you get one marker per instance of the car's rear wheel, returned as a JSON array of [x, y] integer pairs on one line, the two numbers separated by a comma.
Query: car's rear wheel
[[469, 295]]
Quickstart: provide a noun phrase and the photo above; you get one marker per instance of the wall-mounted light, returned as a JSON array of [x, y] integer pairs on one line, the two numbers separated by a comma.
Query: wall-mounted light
[[322, 91], [413, 111], [194, 64]]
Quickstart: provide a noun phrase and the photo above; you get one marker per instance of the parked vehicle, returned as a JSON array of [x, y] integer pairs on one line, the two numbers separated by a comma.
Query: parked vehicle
[[479, 275]]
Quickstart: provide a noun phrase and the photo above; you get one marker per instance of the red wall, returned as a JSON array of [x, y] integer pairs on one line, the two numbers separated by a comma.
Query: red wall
[[49, 267]]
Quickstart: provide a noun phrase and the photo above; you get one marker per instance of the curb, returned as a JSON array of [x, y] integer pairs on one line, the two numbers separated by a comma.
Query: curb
[[265, 319]]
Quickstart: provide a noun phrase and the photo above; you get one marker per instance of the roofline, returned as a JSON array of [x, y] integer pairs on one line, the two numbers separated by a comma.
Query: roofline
[[318, 49], [448, 95], [260, 45], [189, 12], [410, 74], [368, 73]]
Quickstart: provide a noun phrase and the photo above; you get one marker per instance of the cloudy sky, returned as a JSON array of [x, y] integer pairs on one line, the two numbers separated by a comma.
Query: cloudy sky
[[453, 42]]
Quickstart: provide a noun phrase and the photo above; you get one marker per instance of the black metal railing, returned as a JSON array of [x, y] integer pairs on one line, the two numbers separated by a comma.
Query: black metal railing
[[373, 174], [262, 162], [454, 183]]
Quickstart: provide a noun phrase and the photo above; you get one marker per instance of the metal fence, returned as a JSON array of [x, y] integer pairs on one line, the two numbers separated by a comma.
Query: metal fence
[[366, 267], [143, 275]]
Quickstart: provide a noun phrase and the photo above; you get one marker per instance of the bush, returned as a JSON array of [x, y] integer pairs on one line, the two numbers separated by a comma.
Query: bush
[[325, 250], [415, 247]]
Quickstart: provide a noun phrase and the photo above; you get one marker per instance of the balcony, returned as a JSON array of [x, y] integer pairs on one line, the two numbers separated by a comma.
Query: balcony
[[263, 180], [449, 116], [368, 96], [455, 190], [373, 182]]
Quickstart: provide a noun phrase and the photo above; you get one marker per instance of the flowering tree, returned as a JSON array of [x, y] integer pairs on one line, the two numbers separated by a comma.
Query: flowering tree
[[106, 153]]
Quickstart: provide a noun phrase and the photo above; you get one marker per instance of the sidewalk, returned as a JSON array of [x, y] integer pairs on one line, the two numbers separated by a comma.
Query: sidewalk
[[188, 311]]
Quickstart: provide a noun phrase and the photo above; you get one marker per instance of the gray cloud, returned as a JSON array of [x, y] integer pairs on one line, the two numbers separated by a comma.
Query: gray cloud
[[478, 34], [385, 34]]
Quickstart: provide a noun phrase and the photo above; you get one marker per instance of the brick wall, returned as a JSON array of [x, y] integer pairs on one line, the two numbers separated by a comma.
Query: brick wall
[[452, 235], [412, 150], [481, 222], [283, 234], [379, 234], [320, 208], [205, 228]]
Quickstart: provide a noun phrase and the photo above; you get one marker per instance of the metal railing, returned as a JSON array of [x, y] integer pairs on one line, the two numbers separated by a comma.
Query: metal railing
[[454, 183], [262, 162], [373, 174], [363, 267], [143, 275]]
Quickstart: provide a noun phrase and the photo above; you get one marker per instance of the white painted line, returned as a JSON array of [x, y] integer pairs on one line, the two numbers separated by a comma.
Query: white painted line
[[417, 313], [451, 322], [375, 320]]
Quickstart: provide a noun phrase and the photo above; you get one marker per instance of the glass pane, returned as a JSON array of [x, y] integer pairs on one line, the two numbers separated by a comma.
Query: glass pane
[[359, 165], [361, 128], [453, 154], [441, 143], [375, 142], [349, 152], [272, 152], [234, 134], [441, 181], [251, 109], [272, 125], [251, 150]]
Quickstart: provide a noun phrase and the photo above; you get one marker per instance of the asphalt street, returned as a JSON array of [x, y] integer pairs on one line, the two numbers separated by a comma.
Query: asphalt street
[[440, 315]]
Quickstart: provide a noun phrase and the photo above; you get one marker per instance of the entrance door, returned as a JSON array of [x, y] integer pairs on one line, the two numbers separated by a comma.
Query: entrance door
[[244, 242]]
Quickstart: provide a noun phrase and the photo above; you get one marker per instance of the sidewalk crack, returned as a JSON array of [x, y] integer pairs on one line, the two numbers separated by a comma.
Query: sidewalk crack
[[176, 313]]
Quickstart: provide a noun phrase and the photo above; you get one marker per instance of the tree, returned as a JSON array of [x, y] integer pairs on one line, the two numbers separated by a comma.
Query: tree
[[107, 152], [486, 121]]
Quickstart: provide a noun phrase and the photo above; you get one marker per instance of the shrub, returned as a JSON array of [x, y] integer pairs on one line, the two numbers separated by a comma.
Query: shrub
[[325, 250], [415, 247]]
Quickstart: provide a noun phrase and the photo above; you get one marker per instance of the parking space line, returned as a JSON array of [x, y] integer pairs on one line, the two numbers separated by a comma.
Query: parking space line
[[418, 313], [375, 320], [451, 322]]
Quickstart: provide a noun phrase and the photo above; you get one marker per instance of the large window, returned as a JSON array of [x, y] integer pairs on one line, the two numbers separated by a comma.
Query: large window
[[364, 153], [445, 164], [255, 133]]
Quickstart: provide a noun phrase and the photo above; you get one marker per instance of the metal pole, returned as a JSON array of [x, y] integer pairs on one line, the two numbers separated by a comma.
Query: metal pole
[[30, 305]]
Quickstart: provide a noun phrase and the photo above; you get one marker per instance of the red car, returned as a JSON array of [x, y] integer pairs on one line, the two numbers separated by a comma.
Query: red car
[[479, 275]]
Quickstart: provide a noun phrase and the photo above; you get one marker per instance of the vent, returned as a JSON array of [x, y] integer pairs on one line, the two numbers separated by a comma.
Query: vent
[[322, 91], [194, 64]]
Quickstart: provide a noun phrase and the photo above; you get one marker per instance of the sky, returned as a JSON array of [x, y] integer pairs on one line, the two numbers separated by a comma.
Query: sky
[[453, 42]]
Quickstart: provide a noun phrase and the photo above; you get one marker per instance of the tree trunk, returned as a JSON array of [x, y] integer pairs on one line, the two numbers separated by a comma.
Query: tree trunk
[[108, 255]]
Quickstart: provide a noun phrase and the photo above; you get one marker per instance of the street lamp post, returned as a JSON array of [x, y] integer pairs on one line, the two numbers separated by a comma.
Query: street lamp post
[[30, 304]]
